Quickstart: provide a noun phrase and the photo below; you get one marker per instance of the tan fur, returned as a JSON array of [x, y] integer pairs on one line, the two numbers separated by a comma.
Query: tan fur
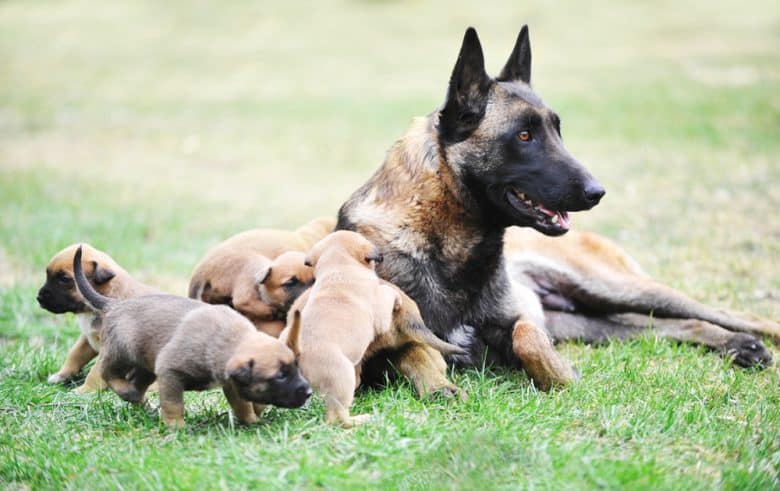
[[348, 314], [230, 271], [121, 286]]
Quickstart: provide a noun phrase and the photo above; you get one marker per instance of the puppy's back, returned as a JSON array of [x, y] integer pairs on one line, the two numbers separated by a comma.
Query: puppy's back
[[137, 328]]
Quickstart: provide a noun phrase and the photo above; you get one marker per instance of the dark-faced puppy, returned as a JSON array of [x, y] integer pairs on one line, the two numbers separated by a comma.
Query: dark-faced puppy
[[188, 345], [60, 295]]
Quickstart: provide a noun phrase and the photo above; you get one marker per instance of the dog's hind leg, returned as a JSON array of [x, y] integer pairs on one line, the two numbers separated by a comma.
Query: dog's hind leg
[[745, 349], [426, 369]]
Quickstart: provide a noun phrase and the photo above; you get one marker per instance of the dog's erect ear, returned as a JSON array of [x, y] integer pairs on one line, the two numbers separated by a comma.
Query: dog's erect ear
[[294, 336], [518, 66], [240, 369], [263, 275], [101, 275], [467, 93]]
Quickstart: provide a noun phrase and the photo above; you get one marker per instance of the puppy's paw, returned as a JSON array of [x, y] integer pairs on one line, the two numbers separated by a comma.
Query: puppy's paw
[[356, 420], [84, 389], [748, 351], [60, 377], [448, 391], [174, 423]]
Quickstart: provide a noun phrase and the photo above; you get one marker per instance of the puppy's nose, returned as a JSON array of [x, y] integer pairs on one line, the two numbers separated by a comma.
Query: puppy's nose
[[303, 392], [594, 192]]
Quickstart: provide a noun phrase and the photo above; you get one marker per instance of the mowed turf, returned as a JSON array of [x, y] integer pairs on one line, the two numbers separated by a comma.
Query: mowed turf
[[155, 129]]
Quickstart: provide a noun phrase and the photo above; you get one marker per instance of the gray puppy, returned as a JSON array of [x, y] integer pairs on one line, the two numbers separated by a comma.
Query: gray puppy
[[185, 344]]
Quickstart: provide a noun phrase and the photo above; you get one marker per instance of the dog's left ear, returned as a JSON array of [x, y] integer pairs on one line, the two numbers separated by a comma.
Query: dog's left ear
[[375, 256], [101, 275], [240, 370], [294, 336], [518, 66], [468, 92]]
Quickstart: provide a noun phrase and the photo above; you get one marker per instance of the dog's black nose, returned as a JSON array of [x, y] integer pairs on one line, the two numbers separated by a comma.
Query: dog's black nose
[[594, 192], [303, 392]]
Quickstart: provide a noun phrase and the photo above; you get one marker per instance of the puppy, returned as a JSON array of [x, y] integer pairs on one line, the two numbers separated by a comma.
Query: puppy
[[59, 295], [188, 345], [259, 288], [228, 273], [347, 315]]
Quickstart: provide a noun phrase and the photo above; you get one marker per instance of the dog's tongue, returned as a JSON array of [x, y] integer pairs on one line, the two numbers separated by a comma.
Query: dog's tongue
[[563, 217]]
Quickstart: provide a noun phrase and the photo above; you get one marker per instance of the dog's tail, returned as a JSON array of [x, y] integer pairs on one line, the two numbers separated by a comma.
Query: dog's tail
[[409, 321], [94, 300]]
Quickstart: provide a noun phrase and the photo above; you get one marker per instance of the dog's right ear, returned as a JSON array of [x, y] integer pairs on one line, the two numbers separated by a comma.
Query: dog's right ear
[[101, 275], [294, 336], [239, 369], [263, 275], [468, 92]]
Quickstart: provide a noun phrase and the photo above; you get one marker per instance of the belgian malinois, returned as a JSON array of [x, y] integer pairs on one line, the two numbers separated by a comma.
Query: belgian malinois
[[438, 207]]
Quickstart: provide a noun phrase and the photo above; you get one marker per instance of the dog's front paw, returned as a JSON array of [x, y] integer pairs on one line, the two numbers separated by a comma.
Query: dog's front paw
[[60, 377], [448, 391], [748, 351], [84, 389]]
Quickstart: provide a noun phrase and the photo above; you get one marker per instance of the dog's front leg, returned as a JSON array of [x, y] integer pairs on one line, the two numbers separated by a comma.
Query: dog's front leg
[[78, 356], [427, 370], [94, 381], [544, 365], [171, 401], [242, 409]]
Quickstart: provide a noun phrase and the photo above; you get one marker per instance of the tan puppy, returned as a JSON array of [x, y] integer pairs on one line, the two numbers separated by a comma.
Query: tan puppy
[[189, 345], [256, 272], [259, 288], [347, 315], [59, 295]]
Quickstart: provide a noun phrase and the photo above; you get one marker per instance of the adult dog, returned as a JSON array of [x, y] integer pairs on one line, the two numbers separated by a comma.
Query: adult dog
[[438, 208]]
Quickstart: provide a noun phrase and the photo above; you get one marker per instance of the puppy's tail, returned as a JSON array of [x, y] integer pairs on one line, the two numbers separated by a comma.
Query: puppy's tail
[[94, 300], [410, 323]]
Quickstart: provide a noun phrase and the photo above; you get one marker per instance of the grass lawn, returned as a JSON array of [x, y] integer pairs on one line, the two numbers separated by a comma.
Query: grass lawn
[[155, 129]]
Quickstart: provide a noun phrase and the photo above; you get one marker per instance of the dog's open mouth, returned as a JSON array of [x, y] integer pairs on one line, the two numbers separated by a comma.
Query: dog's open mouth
[[547, 221]]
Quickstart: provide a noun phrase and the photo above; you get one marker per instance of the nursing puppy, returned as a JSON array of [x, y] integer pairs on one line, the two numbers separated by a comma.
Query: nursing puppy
[[188, 345], [259, 288], [231, 273], [348, 315], [59, 295]]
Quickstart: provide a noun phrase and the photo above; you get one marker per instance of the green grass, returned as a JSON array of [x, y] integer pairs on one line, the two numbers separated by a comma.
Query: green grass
[[155, 129]]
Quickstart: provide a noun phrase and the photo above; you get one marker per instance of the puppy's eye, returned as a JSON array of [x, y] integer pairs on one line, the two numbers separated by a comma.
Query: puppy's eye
[[524, 136], [291, 282], [64, 280]]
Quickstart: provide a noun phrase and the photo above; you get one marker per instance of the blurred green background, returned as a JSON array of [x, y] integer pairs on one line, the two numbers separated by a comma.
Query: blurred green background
[[153, 130]]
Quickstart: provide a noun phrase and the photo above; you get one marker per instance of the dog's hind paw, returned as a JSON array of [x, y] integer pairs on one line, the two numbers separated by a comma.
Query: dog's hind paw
[[747, 351]]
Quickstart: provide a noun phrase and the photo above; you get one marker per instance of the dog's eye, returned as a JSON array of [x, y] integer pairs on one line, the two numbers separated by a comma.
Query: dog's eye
[[291, 282], [64, 280], [524, 136]]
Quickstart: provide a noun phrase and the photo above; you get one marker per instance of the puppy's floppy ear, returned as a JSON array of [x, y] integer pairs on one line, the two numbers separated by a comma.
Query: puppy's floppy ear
[[294, 336], [518, 66], [239, 369], [375, 255], [100, 274], [263, 275], [467, 93]]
